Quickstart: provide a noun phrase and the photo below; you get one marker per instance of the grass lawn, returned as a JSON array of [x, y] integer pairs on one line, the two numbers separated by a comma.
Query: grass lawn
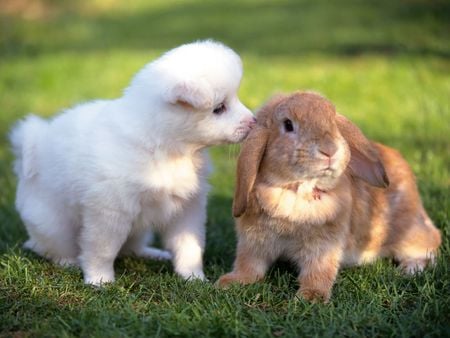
[[385, 64]]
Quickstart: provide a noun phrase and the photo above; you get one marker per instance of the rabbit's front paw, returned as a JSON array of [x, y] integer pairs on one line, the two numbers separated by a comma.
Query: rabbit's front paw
[[228, 279], [315, 295]]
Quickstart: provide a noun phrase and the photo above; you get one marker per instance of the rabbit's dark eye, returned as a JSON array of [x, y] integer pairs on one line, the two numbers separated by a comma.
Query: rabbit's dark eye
[[288, 126], [219, 109]]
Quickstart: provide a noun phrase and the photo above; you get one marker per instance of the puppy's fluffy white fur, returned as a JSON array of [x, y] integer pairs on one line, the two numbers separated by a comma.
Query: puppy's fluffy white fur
[[96, 180]]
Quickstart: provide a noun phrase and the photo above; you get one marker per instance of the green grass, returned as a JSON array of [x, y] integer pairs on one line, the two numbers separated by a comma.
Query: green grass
[[385, 64]]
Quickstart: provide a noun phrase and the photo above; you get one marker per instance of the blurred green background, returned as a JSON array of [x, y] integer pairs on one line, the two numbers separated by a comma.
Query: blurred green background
[[385, 64]]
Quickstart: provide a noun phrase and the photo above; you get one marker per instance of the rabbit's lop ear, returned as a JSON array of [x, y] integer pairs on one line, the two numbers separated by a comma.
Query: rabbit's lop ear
[[195, 94], [365, 162], [249, 161]]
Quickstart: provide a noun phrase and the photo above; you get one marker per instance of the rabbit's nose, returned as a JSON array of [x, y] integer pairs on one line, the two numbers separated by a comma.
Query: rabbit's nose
[[328, 149]]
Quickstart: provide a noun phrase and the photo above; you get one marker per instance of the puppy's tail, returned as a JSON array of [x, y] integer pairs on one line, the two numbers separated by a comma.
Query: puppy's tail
[[25, 137]]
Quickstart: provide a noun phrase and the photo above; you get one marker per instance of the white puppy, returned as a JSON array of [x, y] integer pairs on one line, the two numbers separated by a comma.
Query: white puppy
[[97, 179]]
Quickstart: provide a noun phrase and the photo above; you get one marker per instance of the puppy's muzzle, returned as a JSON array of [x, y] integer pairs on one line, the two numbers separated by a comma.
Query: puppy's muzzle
[[244, 128], [251, 122]]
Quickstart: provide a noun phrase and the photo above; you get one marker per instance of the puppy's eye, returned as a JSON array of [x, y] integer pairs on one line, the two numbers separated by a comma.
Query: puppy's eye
[[219, 109], [288, 126]]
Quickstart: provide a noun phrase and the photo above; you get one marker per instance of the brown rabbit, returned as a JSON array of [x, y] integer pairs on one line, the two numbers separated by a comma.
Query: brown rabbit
[[311, 188]]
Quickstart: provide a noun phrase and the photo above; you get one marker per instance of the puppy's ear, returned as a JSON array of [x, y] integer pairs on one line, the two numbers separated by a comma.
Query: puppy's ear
[[249, 161], [195, 94], [365, 162]]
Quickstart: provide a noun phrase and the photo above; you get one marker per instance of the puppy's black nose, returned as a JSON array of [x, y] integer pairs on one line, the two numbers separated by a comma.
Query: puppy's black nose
[[252, 122]]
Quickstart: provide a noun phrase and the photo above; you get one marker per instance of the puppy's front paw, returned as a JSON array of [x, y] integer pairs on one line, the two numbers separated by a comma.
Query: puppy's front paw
[[194, 275], [315, 295], [98, 279]]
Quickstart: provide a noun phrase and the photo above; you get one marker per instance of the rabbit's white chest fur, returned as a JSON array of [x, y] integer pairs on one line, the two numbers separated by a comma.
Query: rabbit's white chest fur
[[298, 205]]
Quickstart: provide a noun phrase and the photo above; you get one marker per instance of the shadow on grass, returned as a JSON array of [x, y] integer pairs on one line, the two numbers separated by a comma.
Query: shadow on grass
[[274, 28], [221, 238]]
